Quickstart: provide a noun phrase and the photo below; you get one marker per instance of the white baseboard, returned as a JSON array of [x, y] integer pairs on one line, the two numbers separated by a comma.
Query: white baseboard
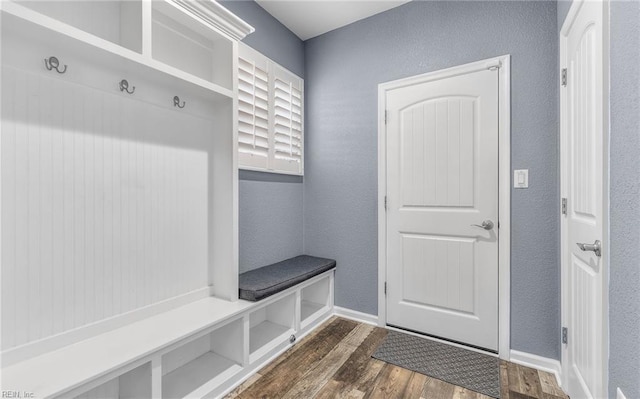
[[552, 366], [355, 315], [619, 394]]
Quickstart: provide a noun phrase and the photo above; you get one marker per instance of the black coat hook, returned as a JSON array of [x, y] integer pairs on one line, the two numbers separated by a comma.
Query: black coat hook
[[52, 63], [176, 102], [124, 86]]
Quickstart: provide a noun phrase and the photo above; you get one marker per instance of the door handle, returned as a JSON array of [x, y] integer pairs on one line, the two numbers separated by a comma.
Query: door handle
[[487, 225], [595, 247]]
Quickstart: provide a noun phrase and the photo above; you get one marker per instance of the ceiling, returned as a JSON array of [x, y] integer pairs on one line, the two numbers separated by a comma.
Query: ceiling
[[310, 18]]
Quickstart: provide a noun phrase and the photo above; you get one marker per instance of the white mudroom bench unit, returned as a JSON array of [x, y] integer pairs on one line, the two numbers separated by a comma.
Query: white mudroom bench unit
[[119, 205], [202, 349]]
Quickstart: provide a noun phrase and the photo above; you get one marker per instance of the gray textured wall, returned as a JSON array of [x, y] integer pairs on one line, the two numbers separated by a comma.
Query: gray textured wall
[[270, 218], [270, 205], [624, 227], [343, 69], [563, 10], [271, 38]]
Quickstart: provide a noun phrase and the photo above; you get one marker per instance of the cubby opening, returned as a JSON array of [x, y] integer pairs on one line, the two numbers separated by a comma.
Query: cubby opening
[[135, 383], [314, 301], [202, 365], [119, 22], [271, 325], [190, 46]]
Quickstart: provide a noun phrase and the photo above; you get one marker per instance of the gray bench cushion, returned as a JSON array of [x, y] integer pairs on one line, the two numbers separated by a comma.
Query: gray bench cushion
[[268, 280]]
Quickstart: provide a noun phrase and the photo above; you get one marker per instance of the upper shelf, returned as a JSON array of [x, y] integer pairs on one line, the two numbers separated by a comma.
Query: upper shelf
[[189, 40]]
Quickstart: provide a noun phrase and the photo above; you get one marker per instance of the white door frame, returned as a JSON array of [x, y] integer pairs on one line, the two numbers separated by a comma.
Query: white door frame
[[565, 303], [504, 184]]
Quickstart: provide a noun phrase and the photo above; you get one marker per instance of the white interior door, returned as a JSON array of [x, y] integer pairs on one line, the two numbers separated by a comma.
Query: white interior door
[[442, 185], [583, 153]]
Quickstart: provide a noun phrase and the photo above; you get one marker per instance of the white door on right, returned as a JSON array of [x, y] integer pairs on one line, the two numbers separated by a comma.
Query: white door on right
[[583, 153]]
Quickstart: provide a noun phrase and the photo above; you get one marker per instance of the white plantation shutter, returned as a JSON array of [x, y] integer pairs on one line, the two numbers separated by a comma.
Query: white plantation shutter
[[287, 122], [253, 113], [270, 115]]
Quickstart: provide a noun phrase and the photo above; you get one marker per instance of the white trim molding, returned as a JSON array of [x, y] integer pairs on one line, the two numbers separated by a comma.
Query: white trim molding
[[355, 315], [549, 365], [503, 64], [214, 15]]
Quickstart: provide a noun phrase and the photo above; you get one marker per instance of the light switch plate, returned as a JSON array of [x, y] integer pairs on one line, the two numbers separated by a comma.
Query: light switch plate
[[521, 178]]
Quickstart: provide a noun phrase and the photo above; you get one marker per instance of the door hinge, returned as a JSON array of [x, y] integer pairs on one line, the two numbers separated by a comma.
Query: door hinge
[[564, 77], [564, 206], [385, 202], [565, 335], [385, 288], [386, 116]]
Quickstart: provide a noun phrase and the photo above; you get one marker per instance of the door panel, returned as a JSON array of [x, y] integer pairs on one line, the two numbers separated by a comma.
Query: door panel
[[442, 178], [582, 118], [446, 264], [437, 159]]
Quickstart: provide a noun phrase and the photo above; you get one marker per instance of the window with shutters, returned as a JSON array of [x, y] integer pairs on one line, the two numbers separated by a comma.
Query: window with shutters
[[270, 115]]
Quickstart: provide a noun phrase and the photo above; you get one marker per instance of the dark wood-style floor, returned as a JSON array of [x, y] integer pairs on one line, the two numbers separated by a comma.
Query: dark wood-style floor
[[335, 362]]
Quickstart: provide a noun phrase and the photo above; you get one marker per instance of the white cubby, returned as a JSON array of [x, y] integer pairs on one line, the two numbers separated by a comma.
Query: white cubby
[[135, 383], [314, 301], [190, 47], [270, 326], [199, 367], [119, 22]]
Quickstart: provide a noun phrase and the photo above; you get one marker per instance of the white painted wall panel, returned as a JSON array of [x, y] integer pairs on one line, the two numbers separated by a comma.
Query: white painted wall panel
[[104, 204]]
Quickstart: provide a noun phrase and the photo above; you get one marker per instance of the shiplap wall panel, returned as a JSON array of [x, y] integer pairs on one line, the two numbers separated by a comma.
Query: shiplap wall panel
[[105, 205]]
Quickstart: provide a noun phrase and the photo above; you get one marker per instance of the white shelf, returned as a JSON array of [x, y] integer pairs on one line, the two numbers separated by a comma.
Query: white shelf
[[190, 44], [265, 333], [308, 309], [206, 372], [271, 326], [314, 301], [47, 30], [201, 364], [135, 383], [119, 22]]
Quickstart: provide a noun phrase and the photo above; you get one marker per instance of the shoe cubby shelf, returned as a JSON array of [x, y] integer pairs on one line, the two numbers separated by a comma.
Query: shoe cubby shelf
[[135, 383], [271, 325], [203, 364], [314, 301]]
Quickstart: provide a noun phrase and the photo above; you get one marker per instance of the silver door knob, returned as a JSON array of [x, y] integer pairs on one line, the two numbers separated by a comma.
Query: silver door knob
[[487, 225], [595, 247]]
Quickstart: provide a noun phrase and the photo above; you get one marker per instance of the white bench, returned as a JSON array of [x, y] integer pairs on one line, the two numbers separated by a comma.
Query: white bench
[[203, 348]]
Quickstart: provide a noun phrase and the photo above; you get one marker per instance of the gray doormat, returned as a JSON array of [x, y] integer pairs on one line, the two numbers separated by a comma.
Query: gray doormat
[[457, 366]]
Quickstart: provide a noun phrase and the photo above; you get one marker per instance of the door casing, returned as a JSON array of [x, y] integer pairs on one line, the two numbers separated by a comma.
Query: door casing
[[565, 302], [504, 184]]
